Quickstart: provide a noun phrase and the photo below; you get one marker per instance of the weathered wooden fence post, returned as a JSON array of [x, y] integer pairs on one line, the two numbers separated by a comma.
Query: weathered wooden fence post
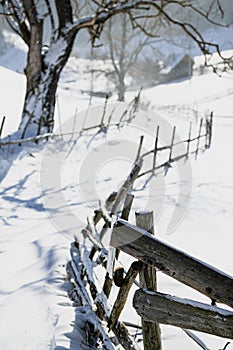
[[119, 304], [151, 331]]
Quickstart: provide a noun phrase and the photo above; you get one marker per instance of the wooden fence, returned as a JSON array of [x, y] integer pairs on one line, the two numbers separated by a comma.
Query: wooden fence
[[153, 307], [193, 144], [156, 307], [102, 125], [90, 256], [202, 139], [88, 253]]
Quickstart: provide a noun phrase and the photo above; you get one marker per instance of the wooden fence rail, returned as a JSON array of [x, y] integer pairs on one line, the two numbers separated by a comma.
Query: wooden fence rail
[[183, 313], [186, 269]]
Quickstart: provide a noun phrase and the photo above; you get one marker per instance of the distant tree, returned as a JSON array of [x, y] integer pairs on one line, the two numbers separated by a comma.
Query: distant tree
[[2, 39], [49, 27], [122, 47]]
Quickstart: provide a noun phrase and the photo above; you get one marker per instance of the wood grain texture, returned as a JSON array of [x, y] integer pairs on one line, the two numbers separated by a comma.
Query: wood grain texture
[[183, 313], [198, 275]]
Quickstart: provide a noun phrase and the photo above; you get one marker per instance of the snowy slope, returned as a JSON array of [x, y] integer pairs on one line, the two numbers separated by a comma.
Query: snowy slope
[[35, 311]]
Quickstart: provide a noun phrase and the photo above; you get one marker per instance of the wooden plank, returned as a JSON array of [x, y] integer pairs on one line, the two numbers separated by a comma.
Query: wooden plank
[[183, 313], [204, 278], [126, 186], [125, 213], [119, 304], [127, 206], [147, 277]]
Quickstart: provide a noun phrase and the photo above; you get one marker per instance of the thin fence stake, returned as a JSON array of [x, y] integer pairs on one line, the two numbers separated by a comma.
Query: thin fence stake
[[211, 127], [110, 117], [104, 112], [199, 135], [2, 125], [139, 148], [122, 117], [189, 138], [86, 114], [74, 123], [171, 146], [59, 116], [119, 304], [125, 213], [207, 126], [155, 149]]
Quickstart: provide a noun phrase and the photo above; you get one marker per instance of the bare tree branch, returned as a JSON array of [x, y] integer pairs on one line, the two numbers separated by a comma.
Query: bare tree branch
[[64, 11], [51, 17], [16, 19]]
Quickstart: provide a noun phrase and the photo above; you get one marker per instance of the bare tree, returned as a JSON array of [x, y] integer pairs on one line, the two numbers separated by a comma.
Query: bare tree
[[45, 63], [122, 46]]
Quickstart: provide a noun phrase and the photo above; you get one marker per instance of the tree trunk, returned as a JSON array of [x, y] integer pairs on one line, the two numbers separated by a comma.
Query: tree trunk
[[42, 78], [121, 88]]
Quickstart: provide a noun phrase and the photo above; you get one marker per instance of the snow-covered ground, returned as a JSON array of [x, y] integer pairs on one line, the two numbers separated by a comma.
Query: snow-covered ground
[[45, 200]]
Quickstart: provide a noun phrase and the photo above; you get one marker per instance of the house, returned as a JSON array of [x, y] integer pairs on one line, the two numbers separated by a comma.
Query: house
[[182, 67]]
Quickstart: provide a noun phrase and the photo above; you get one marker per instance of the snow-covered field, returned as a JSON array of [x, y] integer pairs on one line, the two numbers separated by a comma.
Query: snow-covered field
[[44, 200]]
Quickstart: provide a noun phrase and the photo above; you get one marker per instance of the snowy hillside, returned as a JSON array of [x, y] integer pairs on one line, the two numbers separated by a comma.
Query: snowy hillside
[[45, 201]]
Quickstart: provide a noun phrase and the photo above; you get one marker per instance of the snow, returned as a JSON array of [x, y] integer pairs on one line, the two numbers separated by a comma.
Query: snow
[[12, 90], [38, 219]]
